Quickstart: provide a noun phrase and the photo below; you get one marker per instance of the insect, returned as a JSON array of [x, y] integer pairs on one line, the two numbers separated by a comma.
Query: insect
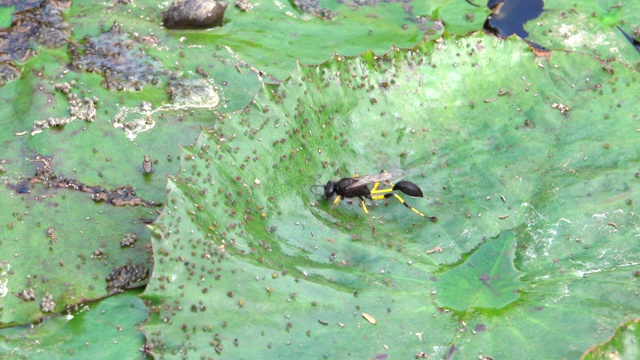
[[358, 186], [147, 166]]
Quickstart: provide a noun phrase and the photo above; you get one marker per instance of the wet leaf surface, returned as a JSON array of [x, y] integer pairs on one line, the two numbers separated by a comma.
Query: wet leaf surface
[[622, 345], [487, 279], [515, 178], [107, 328], [57, 247], [529, 161], [589, 27]]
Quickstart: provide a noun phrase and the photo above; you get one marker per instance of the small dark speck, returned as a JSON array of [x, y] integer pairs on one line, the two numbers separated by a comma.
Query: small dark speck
[[480, 327], [22, 189], [537, 308]]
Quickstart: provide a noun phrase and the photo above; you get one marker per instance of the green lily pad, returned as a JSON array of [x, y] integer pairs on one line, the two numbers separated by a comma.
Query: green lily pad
[[525, 163], [534, 154], [487, 279], [589, 27], [65, 269], [252, 37], [107, 328], [6, 13], [622, 345], [94, 135], [53, 246]]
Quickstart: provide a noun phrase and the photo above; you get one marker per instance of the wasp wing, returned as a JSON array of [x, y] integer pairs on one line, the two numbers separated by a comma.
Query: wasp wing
[[384, 176]]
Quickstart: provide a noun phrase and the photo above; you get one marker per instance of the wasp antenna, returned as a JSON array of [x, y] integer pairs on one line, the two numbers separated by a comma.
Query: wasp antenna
[[313, 187]]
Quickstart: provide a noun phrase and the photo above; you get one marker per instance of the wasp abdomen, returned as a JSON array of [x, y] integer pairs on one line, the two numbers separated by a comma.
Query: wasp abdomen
[[408, 188]]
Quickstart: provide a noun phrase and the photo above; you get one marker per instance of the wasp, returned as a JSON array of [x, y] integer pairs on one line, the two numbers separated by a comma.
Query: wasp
[[383, 188]]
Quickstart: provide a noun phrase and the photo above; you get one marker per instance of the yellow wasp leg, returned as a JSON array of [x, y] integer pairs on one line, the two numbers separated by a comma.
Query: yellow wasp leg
[[364, 207], [413, 209], [375, 193], [376, 190], [381, 191], [375, 187], [336, 201]]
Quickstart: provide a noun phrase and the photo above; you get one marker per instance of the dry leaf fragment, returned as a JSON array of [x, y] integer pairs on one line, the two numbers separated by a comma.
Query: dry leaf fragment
[[369, 318]]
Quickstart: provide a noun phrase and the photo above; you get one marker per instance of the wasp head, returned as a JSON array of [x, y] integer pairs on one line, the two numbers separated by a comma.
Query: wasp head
[[329, 189]]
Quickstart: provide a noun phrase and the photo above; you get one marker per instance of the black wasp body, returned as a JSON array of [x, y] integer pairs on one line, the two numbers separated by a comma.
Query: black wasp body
[[344, 188], [383, 188]]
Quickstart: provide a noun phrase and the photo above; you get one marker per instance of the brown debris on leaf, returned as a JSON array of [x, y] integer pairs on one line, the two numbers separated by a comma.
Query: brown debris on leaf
[[125, 277], [26, 295], [243, 5], [120, 196], [34, 24], [313, 7], [541, 53], [129, 240], [369, 318], [47, 304], [79, 109], [564, 109], [120, 57]]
